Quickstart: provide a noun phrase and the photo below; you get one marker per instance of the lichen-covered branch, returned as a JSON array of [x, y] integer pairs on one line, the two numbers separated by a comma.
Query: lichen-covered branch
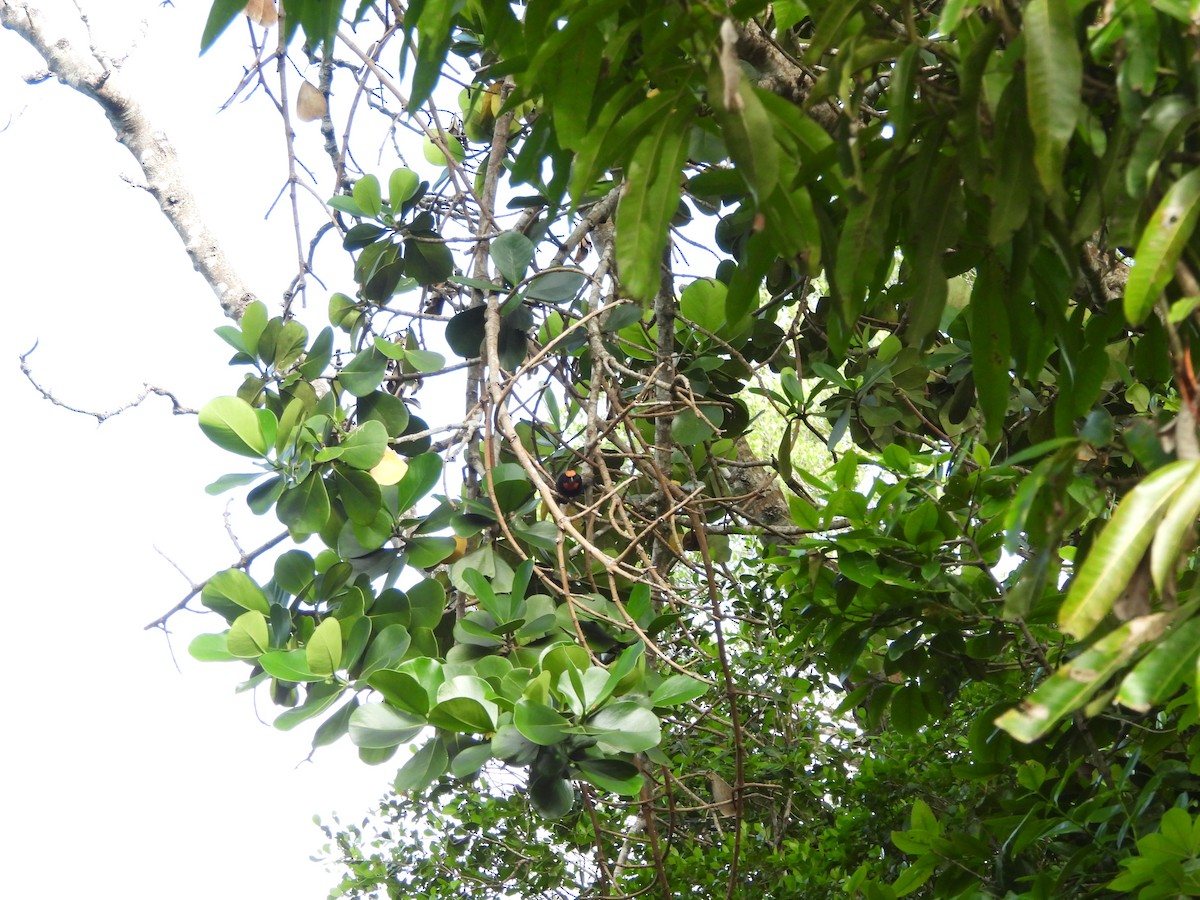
[[93, 75]]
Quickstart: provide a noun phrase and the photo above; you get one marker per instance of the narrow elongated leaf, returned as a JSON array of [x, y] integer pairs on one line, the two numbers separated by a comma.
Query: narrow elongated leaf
[[649, 200], [1159, 674], [1176, 525], [748, 134], [1074, 684], [1054, 67], [1116, 554], [1160, 246], [991, 346]]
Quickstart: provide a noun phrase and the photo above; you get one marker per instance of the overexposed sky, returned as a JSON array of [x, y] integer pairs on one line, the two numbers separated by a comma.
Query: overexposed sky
[[122, 775]]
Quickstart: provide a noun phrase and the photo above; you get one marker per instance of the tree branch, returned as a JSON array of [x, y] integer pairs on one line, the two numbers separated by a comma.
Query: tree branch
[[93, 75]]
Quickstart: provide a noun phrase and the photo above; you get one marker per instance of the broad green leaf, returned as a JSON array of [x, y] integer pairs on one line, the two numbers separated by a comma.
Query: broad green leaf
[[1054, 75], [376, 726], [237, 587], [423, 473], [512, 252], [288, 665], [253, 323], [210, 648], [614, 775], [540, 723], [320, 698], [677, 689], [703, 302], [364, 446], [1160, 246], [336, 726], [305, 508], [401, 186], [368, 196], [323, 651], [294, 571], [388, 648], [423, 768], [231, 424], [1119, 549], [558, 286], [363, 374], [248, 637], [626, 726]]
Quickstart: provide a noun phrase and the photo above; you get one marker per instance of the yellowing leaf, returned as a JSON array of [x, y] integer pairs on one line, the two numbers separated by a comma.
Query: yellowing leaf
[[390, 469]]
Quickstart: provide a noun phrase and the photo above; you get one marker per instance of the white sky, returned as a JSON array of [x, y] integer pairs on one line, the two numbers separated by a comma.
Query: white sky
[[121, 775]]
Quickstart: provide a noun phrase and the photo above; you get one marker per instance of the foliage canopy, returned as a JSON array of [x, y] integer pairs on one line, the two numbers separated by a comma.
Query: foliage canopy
[[954, 657]]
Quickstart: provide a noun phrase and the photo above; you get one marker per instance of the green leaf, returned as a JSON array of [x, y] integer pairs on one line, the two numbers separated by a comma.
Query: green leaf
[[368, 196], [1117, 552], [376, 726], [991, 346], [363, 447], [539, 723], [423, 768], [388, 648], [232, 424], [236, 586], [703, 302], [649, 199], [677, 689], [288, 665], [748, 134], [323, 651], [1074, 684], [428, 259], [1157, 676], [320, 698], [363, 374], [248, 637], [555, 287], [464, 714], [402, 185], [1054, 75], [512, 252], [626, 726], [614, 775], [687, 428], [219, 16], [1160, 246], [294, 571], [423, 473], [305, 508], [1175, 528], [210, 648]]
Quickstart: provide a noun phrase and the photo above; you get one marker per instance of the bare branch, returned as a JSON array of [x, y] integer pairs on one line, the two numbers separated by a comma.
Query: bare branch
[[177, 408]]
